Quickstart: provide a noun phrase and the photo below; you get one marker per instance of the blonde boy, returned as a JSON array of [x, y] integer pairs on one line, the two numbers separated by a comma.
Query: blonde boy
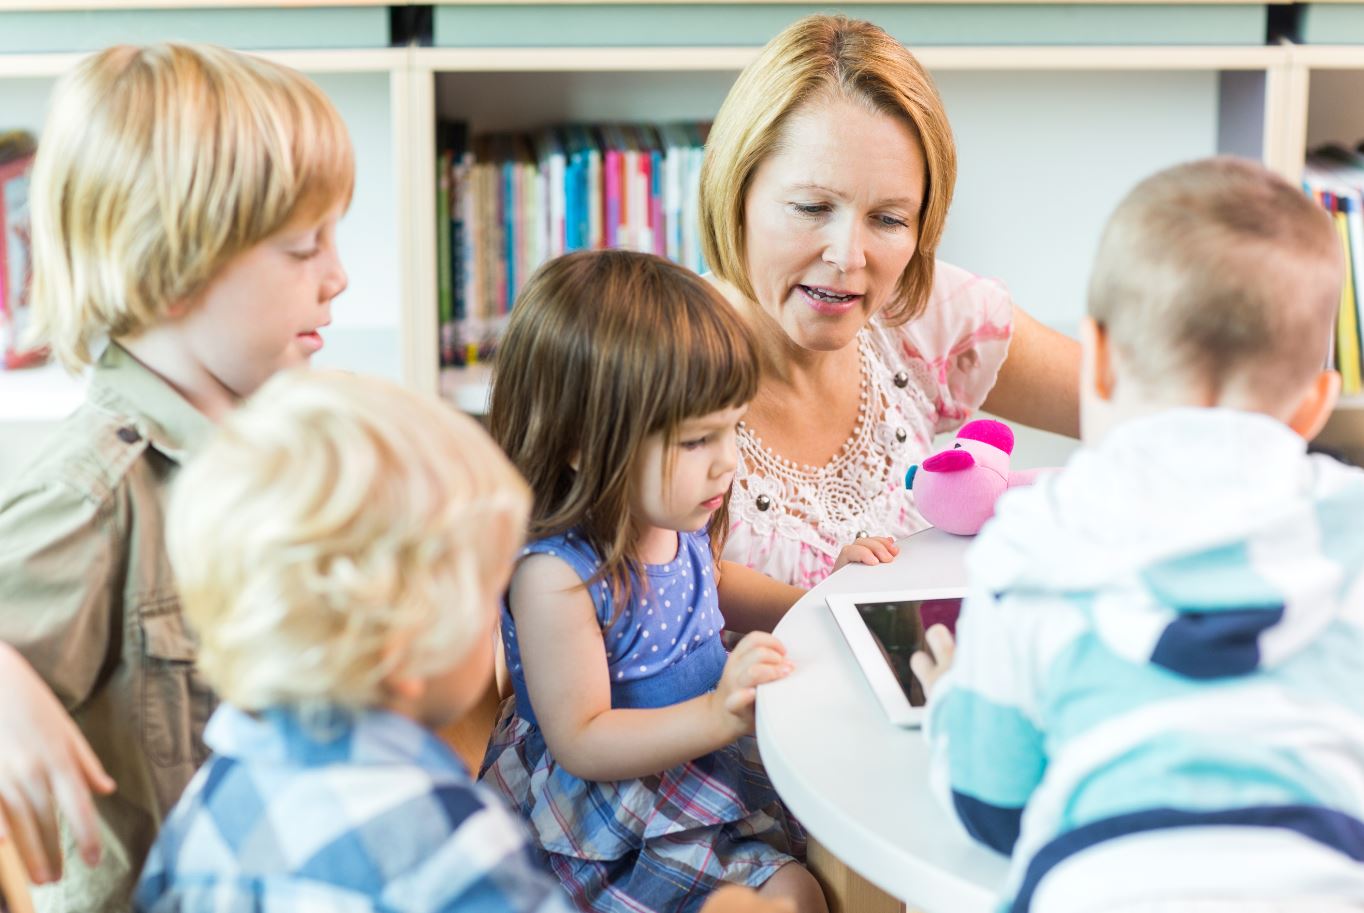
[[1161, 656], [342, 546], [184, 206]]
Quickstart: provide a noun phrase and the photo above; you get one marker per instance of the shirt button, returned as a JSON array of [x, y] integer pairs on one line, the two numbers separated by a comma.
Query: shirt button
[[128, 435]]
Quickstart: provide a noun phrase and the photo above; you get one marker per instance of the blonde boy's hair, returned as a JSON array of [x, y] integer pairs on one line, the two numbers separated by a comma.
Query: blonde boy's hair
[[338, 529], [1220, 273], [817, 58], [156, 166], [605, 348]]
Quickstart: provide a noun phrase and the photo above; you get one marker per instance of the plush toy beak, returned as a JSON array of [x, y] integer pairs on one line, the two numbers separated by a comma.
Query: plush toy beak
[[949, 461]]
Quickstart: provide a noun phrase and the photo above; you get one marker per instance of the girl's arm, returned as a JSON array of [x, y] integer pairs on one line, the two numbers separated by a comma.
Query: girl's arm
[[750, 600], [1039, 382], [564, 661]]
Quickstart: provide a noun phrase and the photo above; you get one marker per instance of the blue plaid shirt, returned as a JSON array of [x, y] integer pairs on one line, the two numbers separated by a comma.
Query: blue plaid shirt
[[351, 813]]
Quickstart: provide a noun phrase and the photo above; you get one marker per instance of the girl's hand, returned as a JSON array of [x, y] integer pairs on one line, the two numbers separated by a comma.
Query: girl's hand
[[758, 659], [930, 668], [46, 766], [868, 550]]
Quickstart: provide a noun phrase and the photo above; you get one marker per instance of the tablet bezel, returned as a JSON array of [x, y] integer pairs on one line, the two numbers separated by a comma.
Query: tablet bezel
[[875, 670]]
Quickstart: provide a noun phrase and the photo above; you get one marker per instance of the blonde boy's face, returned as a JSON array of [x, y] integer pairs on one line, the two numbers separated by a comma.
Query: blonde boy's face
[[263, 312]]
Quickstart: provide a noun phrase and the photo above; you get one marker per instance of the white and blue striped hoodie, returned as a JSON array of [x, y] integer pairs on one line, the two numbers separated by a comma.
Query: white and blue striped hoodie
[[1158, 690]]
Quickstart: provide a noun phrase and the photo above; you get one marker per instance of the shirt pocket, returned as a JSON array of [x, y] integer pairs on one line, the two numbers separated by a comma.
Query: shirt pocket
[[175, 702]]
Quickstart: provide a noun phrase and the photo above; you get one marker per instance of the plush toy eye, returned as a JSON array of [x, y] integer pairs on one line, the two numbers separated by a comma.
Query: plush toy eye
[[956, 446]]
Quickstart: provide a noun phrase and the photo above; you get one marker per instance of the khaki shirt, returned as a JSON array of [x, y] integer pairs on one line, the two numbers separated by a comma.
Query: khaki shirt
[[86, 594]]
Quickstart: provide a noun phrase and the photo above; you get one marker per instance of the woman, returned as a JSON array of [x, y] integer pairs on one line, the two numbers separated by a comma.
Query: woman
[[828, 175]]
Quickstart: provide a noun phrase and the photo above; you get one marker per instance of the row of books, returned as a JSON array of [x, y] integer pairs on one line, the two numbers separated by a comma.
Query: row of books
[[507, 202], [16, 159], [1334, 176]]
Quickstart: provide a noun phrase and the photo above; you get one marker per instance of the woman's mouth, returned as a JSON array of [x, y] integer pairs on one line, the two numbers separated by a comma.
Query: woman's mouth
[[829, 301]]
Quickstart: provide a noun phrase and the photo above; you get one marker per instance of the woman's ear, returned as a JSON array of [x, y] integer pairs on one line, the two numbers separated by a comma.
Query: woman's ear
[[1316, 405]]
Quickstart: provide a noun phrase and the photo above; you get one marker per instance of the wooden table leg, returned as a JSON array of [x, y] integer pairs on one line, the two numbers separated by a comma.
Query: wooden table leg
[[847, 891]]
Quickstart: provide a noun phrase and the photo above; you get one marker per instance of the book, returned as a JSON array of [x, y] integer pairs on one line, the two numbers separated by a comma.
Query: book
[[16, 275]]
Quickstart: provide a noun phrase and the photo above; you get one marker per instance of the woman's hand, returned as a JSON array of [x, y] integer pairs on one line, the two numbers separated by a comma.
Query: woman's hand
[[758, 659], [868, 550], [46, 766], [929, 667]]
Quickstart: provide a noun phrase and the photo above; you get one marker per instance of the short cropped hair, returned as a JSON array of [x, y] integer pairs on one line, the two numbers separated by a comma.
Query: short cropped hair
[[1220, 273], [337, 529], [156, 166], [815, 58]]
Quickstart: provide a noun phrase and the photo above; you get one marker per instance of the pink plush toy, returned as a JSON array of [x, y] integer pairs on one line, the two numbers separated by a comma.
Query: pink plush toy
[[956, 490]]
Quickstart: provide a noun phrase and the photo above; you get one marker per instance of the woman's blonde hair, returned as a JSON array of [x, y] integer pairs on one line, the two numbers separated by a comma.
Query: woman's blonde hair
[[816, 58], [337, 529], [156, 166], [604, 349]]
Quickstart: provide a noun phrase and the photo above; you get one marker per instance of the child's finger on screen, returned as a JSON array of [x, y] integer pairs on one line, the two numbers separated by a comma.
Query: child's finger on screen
[[940, 641]]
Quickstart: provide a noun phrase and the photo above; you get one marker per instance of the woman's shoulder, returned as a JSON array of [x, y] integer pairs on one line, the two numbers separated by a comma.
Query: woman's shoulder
[[961, 304], [951, 283]]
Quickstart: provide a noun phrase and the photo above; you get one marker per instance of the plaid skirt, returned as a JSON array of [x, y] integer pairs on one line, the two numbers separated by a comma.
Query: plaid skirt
[[657, 844]]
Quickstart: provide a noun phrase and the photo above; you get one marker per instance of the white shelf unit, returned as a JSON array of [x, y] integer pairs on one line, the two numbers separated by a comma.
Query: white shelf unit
[[1322, 105], [370, 89], [1044, 155]]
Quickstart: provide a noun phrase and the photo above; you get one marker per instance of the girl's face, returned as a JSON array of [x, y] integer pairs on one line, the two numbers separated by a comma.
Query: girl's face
[[678, 486], [831, 220]]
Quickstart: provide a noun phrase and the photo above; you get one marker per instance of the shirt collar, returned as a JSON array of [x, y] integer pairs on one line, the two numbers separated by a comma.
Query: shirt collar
[[158, 412], [329, 735]]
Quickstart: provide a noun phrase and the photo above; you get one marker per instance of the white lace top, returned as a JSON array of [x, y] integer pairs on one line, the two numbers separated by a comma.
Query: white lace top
[[917, 380]]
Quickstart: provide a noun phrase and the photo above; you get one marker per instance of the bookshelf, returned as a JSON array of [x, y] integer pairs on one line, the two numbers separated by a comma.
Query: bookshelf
[[1201, 100], [1056, 110]]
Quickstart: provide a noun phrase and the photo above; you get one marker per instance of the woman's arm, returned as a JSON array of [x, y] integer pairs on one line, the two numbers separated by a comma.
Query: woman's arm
[[564, 660], [1039, 382], [750, 600]]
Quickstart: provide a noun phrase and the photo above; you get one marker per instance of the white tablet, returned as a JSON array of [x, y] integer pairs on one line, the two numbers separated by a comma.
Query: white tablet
[[884, 630]]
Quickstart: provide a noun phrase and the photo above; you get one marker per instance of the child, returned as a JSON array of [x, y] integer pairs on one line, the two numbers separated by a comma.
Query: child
[[341, 546], [627, 746], [184, 205], [1155, 701]]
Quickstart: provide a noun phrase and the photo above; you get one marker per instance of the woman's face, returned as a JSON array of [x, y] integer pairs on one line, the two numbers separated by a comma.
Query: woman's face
[[832, 219]]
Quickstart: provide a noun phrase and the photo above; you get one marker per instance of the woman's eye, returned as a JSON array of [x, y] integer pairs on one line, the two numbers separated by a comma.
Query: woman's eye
[[892, 222], [811, 209]]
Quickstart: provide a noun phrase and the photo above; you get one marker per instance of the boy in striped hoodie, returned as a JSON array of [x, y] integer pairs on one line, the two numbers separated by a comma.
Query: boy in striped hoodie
[[1156, 700]]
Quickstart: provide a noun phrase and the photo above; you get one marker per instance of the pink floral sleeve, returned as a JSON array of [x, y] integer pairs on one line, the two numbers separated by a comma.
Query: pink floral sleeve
[[960, 341]]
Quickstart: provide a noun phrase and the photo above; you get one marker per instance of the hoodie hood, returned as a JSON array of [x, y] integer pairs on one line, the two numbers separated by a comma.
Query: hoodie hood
[[1204, 540]]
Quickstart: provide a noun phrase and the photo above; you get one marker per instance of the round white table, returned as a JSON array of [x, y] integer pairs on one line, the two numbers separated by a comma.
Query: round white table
[[858, 783]]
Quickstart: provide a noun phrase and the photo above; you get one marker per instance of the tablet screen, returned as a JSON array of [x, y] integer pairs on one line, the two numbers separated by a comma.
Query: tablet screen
[[898, 629]]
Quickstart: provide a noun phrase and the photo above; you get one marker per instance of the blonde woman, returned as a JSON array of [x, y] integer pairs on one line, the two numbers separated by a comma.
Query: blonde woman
[[184, 202], [826, 185]]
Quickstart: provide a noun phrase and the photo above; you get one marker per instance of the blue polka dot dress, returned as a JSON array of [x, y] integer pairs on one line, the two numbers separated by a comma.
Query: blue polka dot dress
[[658, 843]]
